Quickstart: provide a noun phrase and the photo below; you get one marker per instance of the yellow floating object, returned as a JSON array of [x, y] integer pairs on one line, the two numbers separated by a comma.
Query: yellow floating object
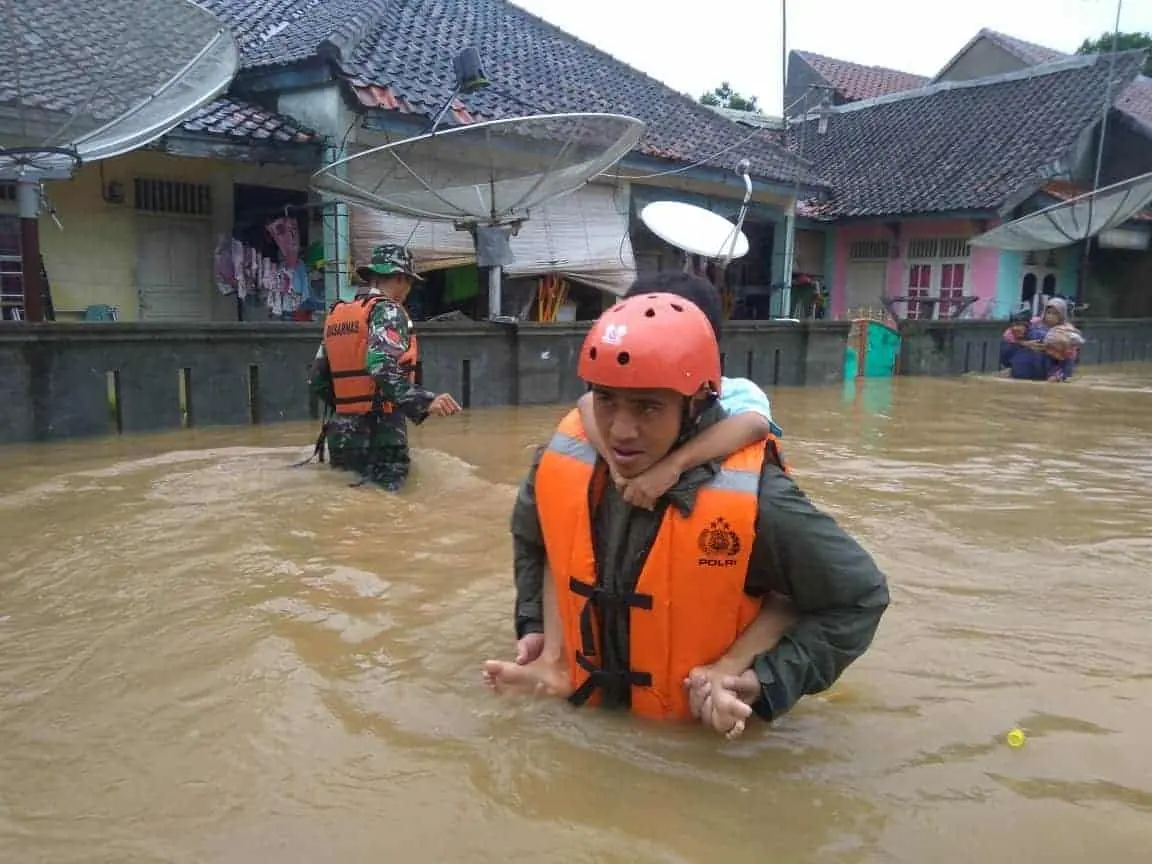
[[1015, 738]]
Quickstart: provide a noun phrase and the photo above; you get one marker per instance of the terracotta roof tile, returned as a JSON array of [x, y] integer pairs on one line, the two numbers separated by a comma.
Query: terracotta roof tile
[[855, 81], [237, 119]]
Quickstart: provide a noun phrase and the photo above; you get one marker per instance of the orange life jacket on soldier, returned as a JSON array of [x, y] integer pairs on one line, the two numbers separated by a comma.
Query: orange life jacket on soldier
[[688, 605], [346, 332]]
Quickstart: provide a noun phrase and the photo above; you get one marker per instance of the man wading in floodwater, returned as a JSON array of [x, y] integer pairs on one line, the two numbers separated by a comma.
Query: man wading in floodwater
[[734, 595], [365, 371]]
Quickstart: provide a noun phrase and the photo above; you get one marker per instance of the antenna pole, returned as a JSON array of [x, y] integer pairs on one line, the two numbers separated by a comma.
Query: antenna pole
[[494, 299], [783, 57], [28, 199], [1085, 262]]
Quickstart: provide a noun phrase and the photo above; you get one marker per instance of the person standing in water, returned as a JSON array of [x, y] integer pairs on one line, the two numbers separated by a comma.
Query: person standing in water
[[748, 412], [365, 372], [734, 595]]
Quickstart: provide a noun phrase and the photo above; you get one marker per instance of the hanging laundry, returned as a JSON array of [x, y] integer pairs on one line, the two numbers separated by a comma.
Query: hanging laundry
[[285, 231]]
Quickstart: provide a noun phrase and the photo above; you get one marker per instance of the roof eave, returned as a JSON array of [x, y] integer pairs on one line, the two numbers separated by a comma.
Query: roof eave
[[302, 74], [933, 216], [191, 145], [636, 161]]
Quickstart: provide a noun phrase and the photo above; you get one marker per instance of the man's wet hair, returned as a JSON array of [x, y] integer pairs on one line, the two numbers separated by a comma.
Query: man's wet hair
[[692, 288]]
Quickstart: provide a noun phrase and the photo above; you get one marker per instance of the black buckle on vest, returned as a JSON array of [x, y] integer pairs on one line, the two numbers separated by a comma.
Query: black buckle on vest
[[612, 679]]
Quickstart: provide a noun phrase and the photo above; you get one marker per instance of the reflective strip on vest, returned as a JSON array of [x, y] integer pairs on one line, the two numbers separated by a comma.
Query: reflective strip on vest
[[725, 480], [574, 448]]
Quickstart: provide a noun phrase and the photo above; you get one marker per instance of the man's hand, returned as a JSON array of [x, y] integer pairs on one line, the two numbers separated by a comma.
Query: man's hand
[[444, 406], [722, 701], [528, 648], [645, 490]]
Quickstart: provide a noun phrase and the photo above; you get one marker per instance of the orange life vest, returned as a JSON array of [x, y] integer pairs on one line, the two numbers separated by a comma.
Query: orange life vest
[[346, 344], [689, 603]]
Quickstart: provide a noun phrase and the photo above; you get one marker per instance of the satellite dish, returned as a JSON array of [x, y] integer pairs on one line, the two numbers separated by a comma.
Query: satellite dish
[[697, 231], [102, 78], [694, 230], [93, 80], [484, 177]]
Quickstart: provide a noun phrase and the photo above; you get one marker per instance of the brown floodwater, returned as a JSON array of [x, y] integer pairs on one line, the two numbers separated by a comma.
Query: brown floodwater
[[206, 656]]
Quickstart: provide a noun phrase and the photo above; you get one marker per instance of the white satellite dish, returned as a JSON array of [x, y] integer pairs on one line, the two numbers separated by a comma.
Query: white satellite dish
[[697, 231], [694, 230], [484, 177], [96, 79]]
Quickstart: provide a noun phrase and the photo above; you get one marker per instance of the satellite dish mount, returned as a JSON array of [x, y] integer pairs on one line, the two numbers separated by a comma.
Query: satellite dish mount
[[698, 232], [484, 178], [104, 107]]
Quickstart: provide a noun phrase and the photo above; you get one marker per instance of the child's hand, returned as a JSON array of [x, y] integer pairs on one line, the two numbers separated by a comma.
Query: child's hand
[[645, 490]]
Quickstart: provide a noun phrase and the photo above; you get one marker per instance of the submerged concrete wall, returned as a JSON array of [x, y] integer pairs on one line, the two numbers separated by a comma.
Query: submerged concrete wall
[[961, 347], [64, 381]]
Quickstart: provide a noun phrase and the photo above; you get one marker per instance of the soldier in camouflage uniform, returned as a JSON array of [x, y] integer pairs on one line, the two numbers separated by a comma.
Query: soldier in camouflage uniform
[[375, 444]]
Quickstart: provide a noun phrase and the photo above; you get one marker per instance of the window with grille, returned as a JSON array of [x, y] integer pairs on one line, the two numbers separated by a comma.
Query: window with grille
[[7, 191], [11, 270], [172, 196], [919, 284], [868, 250], [937, 268]]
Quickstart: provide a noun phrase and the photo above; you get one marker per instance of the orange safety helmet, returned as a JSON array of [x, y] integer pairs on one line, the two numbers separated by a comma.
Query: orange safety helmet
[[652, 341]]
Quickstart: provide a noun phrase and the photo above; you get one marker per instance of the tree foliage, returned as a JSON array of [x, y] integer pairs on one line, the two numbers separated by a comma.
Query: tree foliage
[[725, 97], [1124, 42]]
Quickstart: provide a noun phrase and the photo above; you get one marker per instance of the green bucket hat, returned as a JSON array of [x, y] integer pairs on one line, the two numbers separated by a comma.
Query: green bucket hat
[[387, 260]]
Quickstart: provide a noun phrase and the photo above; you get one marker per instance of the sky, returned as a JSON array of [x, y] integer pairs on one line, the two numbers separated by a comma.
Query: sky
[[740, 40]]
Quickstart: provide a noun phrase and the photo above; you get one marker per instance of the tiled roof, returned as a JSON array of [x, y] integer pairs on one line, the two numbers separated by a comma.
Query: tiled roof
[[284, 32], [85, 69], [749, 118], [854, 81], [236, 119], [1026, 52], [398, 56], [958, 145], [1136, 101], [538, 68]]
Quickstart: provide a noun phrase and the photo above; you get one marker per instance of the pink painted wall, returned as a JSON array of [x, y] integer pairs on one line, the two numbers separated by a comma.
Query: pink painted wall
[[983, 270]]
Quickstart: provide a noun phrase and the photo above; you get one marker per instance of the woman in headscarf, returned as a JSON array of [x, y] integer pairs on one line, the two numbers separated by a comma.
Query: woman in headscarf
[[1050, 347]]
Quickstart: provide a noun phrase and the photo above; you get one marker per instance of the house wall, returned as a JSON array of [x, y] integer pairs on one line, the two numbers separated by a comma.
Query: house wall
[[982, 58], [983, 271], [322, 108], [1013, 266], [1127, 151], [93, 259], [801, 76]]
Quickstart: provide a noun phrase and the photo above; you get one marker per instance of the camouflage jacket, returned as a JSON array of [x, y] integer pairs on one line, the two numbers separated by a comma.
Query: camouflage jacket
[[389, 338]]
